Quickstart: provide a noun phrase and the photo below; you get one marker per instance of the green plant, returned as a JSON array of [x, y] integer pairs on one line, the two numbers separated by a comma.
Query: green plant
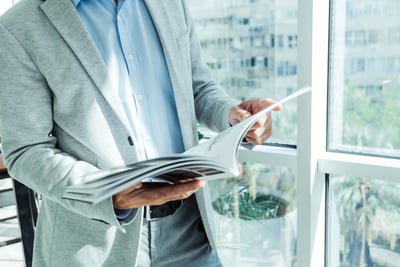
[[244, 205]]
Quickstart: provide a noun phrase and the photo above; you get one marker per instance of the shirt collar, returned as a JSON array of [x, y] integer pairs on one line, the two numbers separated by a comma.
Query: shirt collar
[[76, 2]]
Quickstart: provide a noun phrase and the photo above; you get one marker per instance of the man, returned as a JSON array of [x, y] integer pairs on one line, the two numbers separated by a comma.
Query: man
[[91, 84]]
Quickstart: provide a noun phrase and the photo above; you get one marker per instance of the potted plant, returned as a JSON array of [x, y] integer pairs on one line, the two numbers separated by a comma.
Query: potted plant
[[255, 220]]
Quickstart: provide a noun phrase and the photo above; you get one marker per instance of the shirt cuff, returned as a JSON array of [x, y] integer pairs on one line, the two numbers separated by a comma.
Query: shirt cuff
[[122, 215]]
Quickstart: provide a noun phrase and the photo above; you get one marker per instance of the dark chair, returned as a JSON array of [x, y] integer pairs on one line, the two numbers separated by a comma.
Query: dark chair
[[27, 216]]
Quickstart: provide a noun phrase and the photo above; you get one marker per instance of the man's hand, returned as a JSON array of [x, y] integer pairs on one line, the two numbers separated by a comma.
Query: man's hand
[[153, 194], [262, 129]]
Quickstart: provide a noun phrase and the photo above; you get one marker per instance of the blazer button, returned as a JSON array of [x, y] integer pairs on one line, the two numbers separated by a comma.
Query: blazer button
[[130, 141]]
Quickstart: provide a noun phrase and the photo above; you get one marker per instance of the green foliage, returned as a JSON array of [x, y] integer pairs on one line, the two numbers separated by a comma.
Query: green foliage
[[200, 135], [259, 193], [371, 120], [358, 200], [260, 207]]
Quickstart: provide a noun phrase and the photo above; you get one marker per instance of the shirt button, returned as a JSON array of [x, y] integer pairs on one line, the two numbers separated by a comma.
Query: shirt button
[[130, 56], [140, 97], [119, 19]]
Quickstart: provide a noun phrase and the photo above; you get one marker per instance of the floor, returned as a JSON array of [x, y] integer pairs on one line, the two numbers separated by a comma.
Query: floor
[[10, 255]]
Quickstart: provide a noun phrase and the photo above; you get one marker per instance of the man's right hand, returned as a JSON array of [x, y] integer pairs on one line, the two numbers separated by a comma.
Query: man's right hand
[[153, 194]]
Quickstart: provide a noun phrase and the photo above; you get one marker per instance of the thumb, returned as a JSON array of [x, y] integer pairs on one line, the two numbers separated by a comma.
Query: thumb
[[237, 114]]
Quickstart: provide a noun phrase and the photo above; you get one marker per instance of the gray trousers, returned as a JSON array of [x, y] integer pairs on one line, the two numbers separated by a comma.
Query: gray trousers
[[177, 240]]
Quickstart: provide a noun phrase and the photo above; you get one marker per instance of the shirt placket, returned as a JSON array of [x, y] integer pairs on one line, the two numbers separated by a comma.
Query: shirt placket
[[138, 102]]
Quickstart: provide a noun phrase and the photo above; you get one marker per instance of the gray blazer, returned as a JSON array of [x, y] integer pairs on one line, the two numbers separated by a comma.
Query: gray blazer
[[59, 119]]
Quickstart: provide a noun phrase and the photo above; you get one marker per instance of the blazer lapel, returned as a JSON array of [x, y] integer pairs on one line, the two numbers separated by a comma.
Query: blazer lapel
[[66, 20]]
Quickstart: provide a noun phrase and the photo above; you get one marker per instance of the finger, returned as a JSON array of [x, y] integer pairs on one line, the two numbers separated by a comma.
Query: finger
[[155, 194], [266, 102], [264, 121], [259, 138], [258, 134], [120, 200], [261, 125], [237, 114], [180, 191], [131, 188]]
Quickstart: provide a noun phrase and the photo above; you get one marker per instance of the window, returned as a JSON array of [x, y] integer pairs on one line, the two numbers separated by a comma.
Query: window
[[256, 214], [362, 167], [261, 52], [364, 96], [347, 136], [363, 222]]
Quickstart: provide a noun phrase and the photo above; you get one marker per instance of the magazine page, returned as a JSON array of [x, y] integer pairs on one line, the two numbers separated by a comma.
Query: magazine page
[[213, 159], [187, 168], [225, 145]]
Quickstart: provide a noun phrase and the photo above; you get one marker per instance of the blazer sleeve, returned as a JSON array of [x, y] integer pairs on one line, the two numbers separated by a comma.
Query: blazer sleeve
[[26, 123]]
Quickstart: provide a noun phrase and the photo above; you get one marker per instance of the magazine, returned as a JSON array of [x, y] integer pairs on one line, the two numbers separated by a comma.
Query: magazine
[[215, 158]]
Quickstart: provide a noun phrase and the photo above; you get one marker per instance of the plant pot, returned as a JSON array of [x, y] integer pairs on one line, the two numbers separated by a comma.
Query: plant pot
[[257, 243]]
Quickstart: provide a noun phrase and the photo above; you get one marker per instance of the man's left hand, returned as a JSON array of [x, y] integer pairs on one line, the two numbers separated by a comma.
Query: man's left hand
[[262, 129]]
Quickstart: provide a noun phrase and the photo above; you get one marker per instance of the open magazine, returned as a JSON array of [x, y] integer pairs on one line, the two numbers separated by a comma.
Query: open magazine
[[213, 159]]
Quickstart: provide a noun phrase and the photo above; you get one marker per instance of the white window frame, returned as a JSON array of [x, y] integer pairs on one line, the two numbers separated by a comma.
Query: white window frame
[[311, 161]]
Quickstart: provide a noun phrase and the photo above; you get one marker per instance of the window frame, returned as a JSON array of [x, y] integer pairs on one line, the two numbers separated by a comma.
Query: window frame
[[311, 160]]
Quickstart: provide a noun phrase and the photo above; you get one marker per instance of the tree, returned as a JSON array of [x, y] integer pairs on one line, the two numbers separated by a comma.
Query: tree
[[371, 120]]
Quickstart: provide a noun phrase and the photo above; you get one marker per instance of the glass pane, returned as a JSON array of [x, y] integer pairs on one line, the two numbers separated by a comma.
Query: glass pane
[[251, 47], [365, 77], [255, 217], [5, 5], [364, 228]]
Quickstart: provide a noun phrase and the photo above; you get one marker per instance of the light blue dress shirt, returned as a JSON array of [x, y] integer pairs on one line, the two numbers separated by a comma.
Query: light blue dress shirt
[[129, 44]]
